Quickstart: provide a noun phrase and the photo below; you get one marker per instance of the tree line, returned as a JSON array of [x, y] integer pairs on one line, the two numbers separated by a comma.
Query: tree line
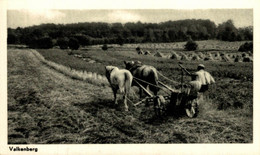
[[92, 33]]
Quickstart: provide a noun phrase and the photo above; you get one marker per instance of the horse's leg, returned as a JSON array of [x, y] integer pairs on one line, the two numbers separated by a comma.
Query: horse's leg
[[125, 102], [115, 99]]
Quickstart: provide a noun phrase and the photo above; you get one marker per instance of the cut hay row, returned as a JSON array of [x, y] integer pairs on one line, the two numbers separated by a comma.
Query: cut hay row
[[90, 77], [199, 56]]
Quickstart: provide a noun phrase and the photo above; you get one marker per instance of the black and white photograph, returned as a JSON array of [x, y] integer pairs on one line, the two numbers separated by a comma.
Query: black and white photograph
[[129, 80]]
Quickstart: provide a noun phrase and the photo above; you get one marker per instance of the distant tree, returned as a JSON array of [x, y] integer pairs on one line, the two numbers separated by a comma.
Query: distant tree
[[56, 34], [132, 40], [11, 38], [45, 43], [172, 35], [181, 36], [149, 35], [120, 40], [191, 45], [63, 43], [165, 37], [246, 33], [92, 33], [127, 33], [38, 33], [73, 44], [158, 34], [227, 31], [83, 39]]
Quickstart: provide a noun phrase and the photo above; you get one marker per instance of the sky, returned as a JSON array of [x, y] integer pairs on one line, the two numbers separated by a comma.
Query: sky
[[28, 17]]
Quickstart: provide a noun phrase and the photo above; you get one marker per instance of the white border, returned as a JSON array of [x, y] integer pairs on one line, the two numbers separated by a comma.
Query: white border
[[130, 148]]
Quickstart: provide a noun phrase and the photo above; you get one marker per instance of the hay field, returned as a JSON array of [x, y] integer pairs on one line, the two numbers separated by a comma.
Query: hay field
[[47, 106]]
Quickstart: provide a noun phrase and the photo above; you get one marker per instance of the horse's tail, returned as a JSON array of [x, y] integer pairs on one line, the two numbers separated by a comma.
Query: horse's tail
[[128, 82]]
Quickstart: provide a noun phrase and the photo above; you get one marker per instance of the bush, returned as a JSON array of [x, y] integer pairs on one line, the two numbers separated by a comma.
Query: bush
[[191, 45], [63, 43], [73, 44], [246, 47], [104, 47]]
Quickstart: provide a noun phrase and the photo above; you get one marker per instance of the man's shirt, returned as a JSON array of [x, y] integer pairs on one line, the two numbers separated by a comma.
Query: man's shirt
[[204, 77]]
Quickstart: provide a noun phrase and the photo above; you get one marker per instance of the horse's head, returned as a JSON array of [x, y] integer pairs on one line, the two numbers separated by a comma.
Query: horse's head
[[132, 64], [129, 64], [109, 69]]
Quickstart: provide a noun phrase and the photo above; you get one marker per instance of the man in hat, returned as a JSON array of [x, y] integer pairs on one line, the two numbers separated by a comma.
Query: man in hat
[[201, 78]]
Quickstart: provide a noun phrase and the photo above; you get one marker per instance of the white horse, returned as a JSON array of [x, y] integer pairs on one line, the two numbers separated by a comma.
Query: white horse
[[119, 79]]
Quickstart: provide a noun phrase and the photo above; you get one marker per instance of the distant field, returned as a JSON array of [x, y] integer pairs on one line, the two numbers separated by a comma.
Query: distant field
[[203, 45], [45, 106], [94, 59]]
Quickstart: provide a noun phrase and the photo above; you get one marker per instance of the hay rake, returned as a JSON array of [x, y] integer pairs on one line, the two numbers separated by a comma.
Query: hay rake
[[177, 99]]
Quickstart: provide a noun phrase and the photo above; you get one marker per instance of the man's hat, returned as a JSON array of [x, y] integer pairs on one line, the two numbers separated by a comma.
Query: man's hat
[[201, 65]]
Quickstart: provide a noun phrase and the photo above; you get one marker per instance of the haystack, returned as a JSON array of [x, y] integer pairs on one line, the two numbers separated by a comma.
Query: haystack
[[247, 59], [238, 59], [158, 54], [208, 58], [225, 58], [175, 56], [244, 55], [168, 56], [195, 57], [201, 55], [140, 52], [147, 52], [184, 57], [217, 54]]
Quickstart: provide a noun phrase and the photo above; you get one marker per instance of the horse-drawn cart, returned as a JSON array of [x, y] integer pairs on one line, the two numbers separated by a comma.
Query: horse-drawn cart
[[177, 100]]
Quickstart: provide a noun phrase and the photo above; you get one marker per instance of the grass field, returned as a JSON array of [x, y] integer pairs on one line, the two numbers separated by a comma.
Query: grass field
[[45, 106]]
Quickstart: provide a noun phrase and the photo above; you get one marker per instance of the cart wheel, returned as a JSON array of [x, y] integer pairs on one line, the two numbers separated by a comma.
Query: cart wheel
[[159, 105], [192, 109]]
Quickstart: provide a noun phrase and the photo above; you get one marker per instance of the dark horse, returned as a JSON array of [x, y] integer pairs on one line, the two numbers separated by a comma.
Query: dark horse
[[143, 74]]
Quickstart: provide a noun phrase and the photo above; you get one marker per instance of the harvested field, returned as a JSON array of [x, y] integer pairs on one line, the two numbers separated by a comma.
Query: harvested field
[[46, 106]]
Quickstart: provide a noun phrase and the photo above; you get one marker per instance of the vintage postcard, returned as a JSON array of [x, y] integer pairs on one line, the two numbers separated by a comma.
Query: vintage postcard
[[129, 77]]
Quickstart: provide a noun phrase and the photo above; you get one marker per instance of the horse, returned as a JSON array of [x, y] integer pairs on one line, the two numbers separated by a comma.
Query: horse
[[144, 74], [119, 79]]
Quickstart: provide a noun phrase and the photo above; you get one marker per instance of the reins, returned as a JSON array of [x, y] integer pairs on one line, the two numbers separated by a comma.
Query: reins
[[150, 84], [175, 82]]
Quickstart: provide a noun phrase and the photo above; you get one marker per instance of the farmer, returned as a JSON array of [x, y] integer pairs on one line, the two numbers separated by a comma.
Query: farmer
[[203, 77], [200, 82]]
